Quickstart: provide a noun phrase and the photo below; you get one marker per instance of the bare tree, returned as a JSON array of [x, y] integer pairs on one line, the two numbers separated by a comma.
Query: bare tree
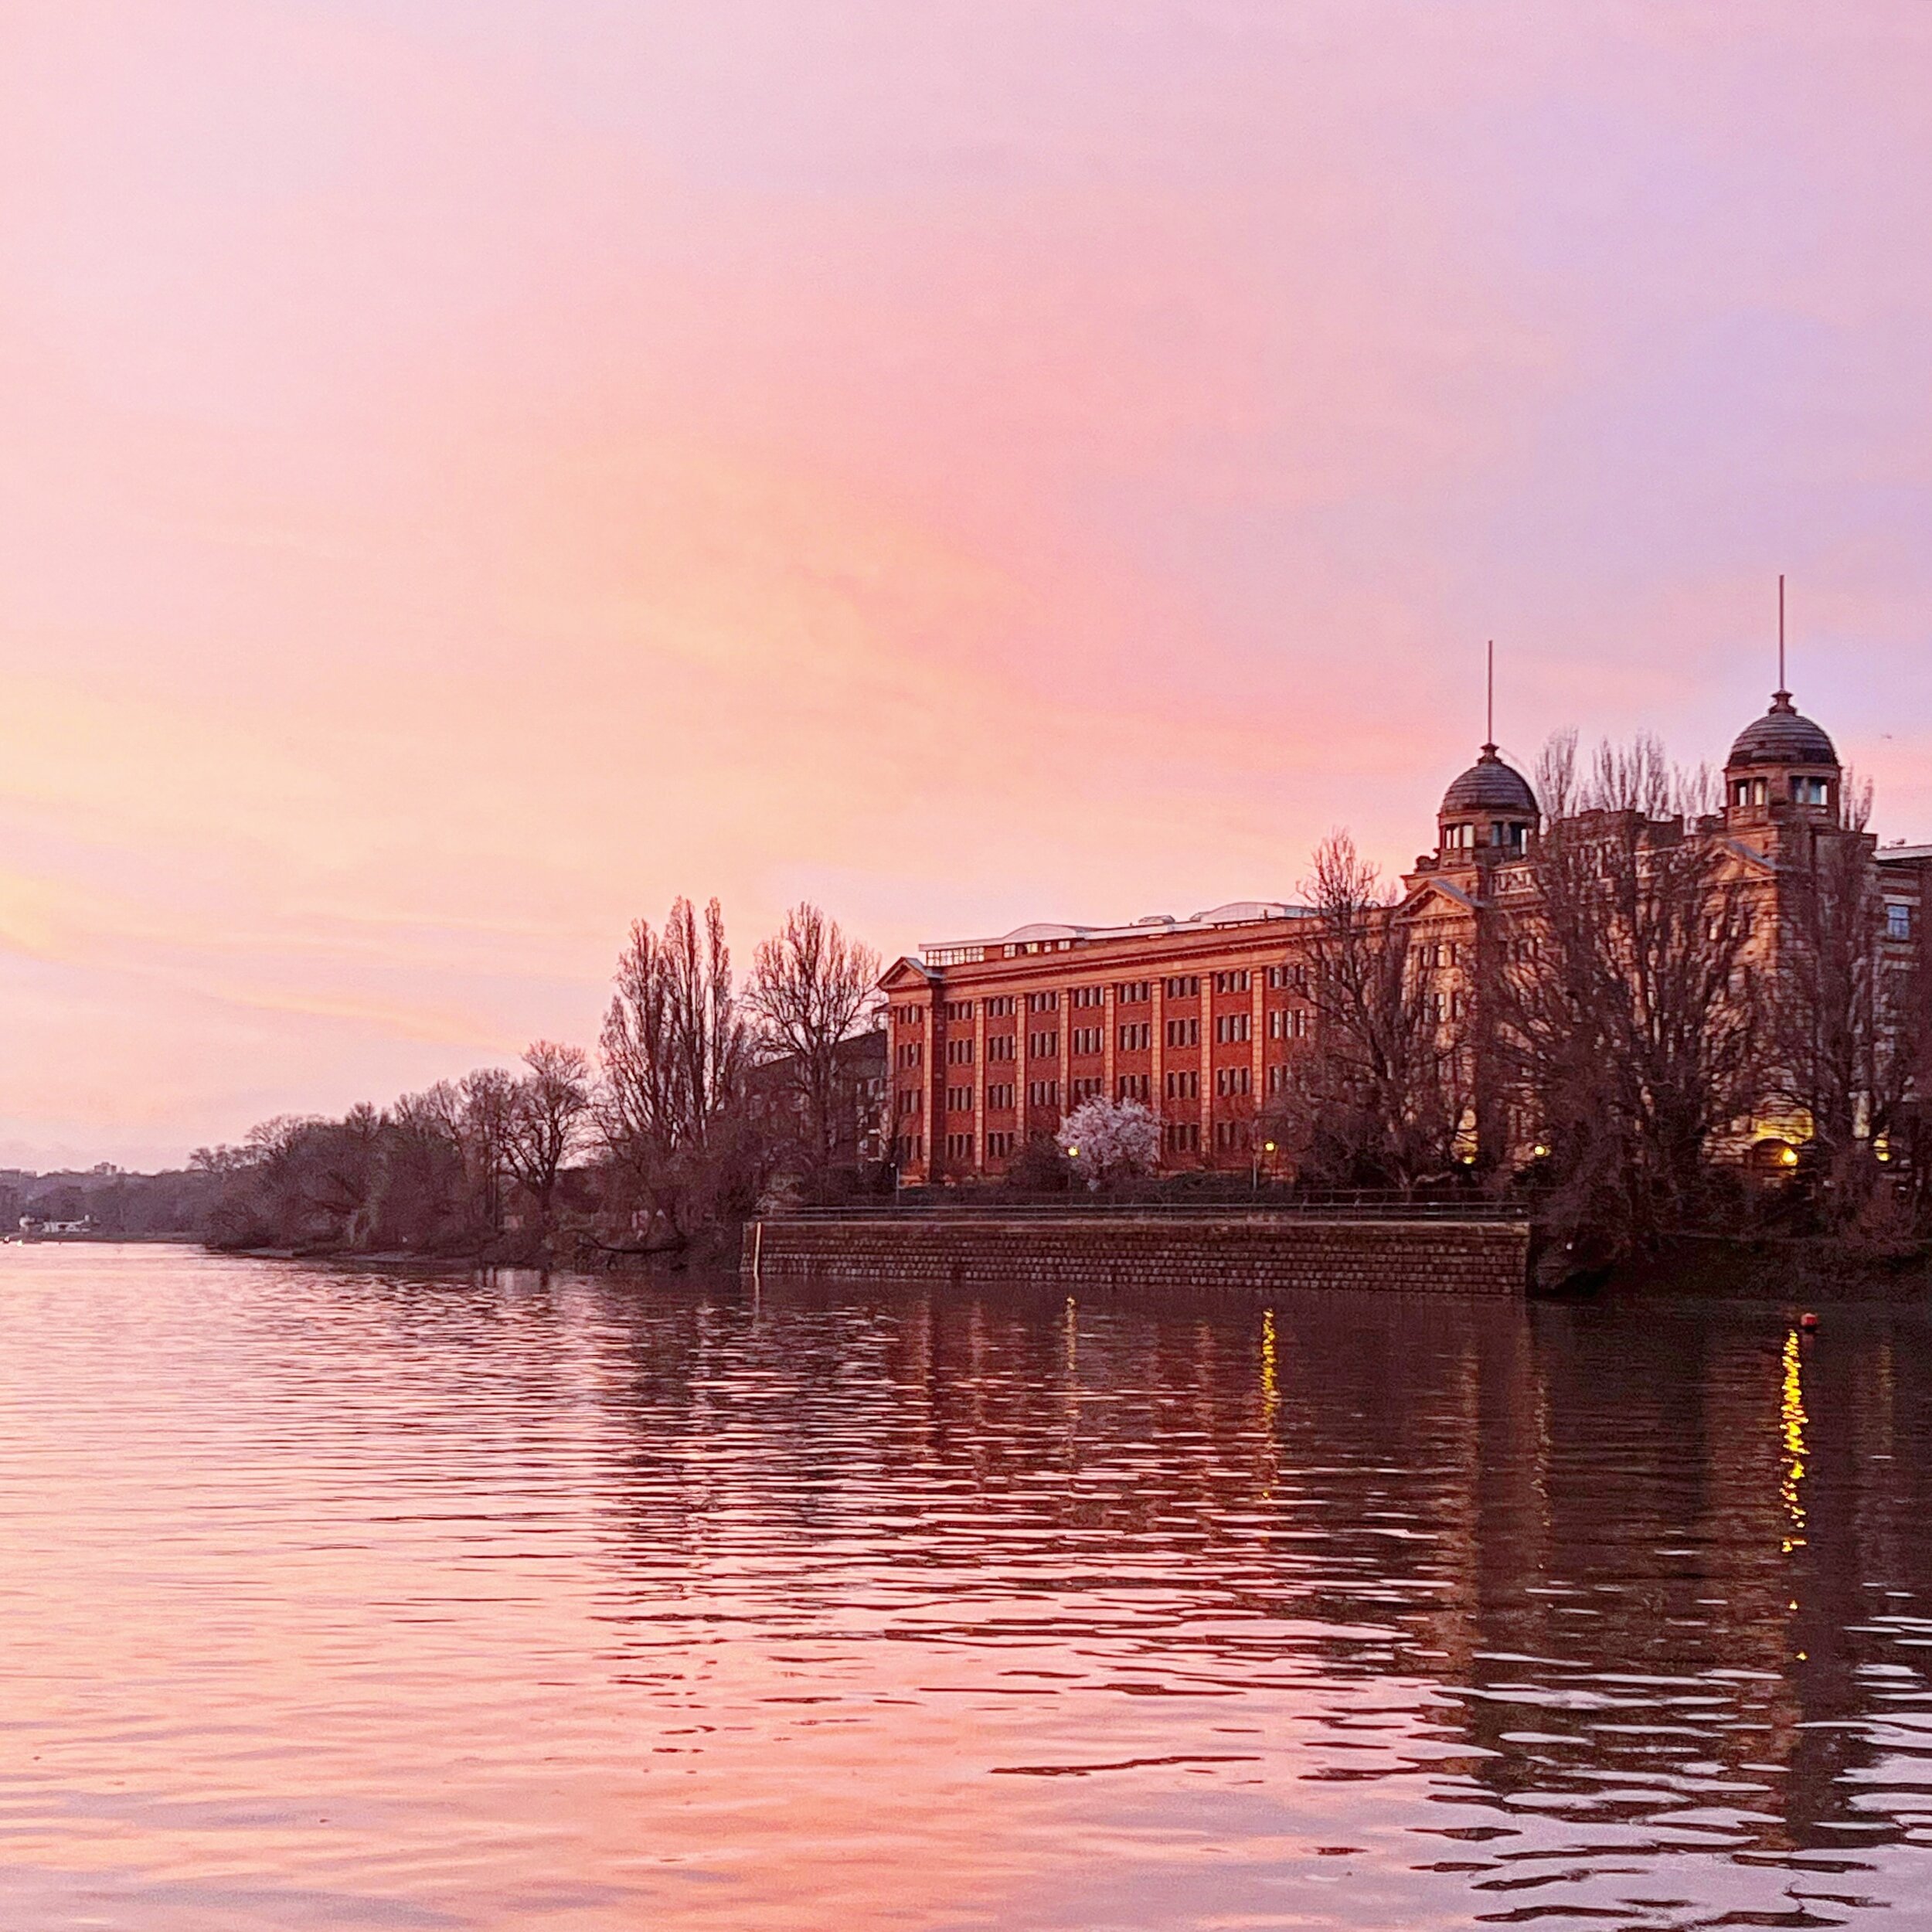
[[813, 989], [1377, 1097], [486, 1100], [1632, 1009], [547, 1116], [674, 1049]]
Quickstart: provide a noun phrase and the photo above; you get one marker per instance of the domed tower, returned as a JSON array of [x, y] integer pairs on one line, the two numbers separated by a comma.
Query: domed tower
[[1488, 814], [1783, 770]]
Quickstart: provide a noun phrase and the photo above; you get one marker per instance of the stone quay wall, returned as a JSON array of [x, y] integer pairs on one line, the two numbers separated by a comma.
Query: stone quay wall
[[1251, 1254]]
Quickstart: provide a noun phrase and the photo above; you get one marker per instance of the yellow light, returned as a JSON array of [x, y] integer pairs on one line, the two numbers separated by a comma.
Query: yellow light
[[1267, 1147], [1788, 1158], [1540, 1152], [1072, 1154]]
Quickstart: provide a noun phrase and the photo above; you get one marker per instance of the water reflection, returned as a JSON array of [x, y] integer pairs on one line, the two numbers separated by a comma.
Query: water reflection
[[357, 1600]]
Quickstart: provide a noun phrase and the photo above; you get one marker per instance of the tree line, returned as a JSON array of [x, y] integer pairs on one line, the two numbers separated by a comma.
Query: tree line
[[703, 1090]]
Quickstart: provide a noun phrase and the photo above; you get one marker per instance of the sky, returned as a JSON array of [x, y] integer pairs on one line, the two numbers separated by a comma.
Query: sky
[[471, 471]]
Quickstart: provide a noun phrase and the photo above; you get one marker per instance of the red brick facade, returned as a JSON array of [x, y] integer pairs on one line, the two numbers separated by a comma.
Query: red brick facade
[[993, 1042]]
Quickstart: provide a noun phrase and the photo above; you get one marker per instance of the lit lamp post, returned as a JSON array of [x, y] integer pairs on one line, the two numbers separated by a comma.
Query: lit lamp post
[[1254, 1181]]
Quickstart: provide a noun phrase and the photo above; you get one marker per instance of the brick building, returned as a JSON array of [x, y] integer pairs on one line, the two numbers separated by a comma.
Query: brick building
[[993, 1041]]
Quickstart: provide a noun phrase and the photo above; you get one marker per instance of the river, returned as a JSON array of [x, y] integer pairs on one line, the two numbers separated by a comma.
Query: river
[[358, 1600]]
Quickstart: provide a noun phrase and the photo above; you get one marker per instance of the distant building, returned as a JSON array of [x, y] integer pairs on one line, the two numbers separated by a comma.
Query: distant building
[[992, 1041], [775, 1097]]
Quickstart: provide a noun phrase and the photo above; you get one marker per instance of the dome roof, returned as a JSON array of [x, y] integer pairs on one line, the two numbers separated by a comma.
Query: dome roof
[[1782, 736], [1490, 785]]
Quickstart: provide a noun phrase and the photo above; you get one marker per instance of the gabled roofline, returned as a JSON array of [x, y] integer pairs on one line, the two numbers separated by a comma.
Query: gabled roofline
[[904, 969]]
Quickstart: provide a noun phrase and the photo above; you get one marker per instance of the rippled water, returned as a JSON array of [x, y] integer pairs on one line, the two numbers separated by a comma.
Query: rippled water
[[353, 1601]]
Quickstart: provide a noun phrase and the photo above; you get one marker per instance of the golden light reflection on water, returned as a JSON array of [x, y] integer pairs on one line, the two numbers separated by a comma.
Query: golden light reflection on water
[[1791, 1420], [350, 1601]]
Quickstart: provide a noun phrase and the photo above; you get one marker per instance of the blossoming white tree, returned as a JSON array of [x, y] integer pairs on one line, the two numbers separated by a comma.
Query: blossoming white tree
[[1110, 1140]]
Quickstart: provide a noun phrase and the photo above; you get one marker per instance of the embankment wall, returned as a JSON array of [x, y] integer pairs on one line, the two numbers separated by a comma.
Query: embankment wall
[[1250, 1254]]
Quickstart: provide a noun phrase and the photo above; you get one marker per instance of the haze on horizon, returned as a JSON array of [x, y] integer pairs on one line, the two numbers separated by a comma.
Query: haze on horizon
[[469, 472]]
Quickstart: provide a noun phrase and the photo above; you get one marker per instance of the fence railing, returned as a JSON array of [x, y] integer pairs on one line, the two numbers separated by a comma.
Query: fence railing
[[1363, 1206]]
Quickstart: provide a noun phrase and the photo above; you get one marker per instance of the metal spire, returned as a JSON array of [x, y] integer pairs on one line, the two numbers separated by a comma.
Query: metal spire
[[1489, 748], [1783, 692]]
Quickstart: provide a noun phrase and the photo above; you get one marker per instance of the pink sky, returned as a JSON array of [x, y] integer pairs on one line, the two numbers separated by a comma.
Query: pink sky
[[471, 470]]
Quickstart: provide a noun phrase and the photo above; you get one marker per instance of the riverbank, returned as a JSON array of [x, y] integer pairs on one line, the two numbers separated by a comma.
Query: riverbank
[[1774, 1268]]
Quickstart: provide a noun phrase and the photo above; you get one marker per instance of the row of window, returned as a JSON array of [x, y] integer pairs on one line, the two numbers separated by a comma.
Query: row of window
[[1230, 1029], [1183, 986], [1804, 791], [1295, 976], [1233, 982]]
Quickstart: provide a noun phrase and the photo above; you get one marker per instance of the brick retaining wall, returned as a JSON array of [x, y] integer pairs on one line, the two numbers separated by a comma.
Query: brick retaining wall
[[1254, 1254]]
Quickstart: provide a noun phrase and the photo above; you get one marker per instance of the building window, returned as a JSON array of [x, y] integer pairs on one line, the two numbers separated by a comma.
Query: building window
[[1232, 1027], [1279, 1078], [1230, 1134], [1295, 977], [1233, 982], [959, 1053], [1132, 992], [1184, 986], [959, 1100], [959, 1009], [999, 1046], [998, 1006], [1183, 1086], [1088, 996], [1898, 920], [909, 1054], [998, 1099], [999, 1147], [1042, 1094], [1132, 1086], [1086, 1088], [1042, 1003], [909, 1099], [1138, 1037], [1184, 1032], [909, 1015], [1087, 1039], [1288, 1023], [1042, 1047], [1184, 1137], [959, 1147], [1231, 1080]]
